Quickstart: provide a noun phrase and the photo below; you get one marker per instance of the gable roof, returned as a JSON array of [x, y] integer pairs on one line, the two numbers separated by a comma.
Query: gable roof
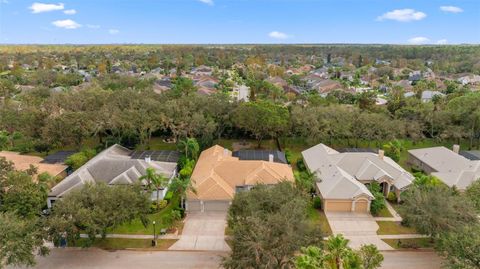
[[341, 173], [218, 173], [451, 168], [113, 166]]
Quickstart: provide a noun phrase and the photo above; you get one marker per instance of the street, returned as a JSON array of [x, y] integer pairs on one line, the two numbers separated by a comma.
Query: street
[[124, 259]]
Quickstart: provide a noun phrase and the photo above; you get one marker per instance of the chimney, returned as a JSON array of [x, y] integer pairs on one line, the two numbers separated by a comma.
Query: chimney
[[270, 158], [456, 148], [148, 159], [381, 154]]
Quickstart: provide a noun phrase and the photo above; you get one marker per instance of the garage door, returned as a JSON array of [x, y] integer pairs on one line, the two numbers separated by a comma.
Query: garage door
[[212, 206], [343, 206], [361, 206], [194, 206]]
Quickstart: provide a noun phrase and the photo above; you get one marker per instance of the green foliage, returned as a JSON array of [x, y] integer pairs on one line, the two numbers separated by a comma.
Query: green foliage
[[461, 247], [305, 181], [317, 202], [394, 149], [89, 210], [379, 202], [426, 181], [392, 197], [168, 196], [183, 86], [311, 257], [20, 240], [473, 194], [436, 210], [80, 158], [269, 225]]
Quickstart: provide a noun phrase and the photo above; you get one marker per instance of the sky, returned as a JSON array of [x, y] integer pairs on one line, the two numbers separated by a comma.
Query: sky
[[240, 21]]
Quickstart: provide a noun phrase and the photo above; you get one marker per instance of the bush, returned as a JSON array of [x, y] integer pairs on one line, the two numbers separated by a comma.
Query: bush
[[162, 204], [168, 196], [392, 197], [288, 156], [317, 203], [379, 202], [80, 158], [301, 165], [153, 208]]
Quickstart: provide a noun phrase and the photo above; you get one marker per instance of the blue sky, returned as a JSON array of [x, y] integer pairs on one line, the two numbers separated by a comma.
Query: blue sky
[[240, 21]]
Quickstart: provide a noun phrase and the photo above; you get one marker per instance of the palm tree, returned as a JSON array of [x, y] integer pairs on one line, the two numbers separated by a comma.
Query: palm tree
[[181, 185], [190, 147], [337, 251], [154, 181]]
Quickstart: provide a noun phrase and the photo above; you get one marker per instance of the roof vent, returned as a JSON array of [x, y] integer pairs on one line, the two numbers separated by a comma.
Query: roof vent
[[456, 148]]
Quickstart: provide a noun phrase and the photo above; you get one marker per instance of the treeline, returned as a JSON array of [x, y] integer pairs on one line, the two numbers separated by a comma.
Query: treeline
[[41, 119]]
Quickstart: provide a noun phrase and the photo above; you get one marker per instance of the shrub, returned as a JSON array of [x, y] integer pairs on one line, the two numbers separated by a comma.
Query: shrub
[[379, 202], [392, 197], [168, 196], [288, 156], [301, 165], [317, 202], [153, 208], [162, 204]]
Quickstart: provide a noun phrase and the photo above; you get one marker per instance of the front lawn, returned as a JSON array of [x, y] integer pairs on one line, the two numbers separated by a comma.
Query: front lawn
[[384, 213], [136, 226], [123, 243], [393, 227], [317, 217], [412, 243]]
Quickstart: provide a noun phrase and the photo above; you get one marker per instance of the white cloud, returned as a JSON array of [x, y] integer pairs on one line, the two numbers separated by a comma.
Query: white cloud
[[278, 35], [70, 11], [4, 2], [93, 26], [67, 24], [403, 15], [113, 31], [451, 9], [208, 2], [41, 7], [418, 40], [442, 42]]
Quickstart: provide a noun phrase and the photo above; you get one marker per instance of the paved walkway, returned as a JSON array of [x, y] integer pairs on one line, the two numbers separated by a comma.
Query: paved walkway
[[359, 228], [402, 236], [395, 215], [203, 231]]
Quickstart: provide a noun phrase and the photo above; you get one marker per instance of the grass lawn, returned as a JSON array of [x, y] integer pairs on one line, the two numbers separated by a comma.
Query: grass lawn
[[228, 231], [136, 226], [317, 217], [156, 143], [123, 243], [384, 213], [393, 227], [412, 243]]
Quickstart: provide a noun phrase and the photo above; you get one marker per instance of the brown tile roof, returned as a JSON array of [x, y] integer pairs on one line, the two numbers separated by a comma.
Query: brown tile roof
[[217, 174], [23, 162]]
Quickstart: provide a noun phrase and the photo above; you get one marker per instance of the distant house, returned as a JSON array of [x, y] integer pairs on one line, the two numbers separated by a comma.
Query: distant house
[[405, 84], [202, 70], [379, 101], [427, 96], [469, 79], [219, 175], [326, 86], [206, 85], [415, 76], [23, 162], [162, 85], [341, 178], [283, 84], [117, 166], [449, 166]]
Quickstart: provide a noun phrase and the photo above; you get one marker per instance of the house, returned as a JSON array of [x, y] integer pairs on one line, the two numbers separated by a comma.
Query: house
[[23, 162], [415, 76], [218, 175], [342, 177], [469, 79], [117, 166], [447, 165], [326, 86], [405, 84], [427, 96], [202, 70], [162, 85], [206, 85], [241, 93]]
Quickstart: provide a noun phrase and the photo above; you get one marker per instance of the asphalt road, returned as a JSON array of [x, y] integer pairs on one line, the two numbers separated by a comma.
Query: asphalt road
[[95, 258]]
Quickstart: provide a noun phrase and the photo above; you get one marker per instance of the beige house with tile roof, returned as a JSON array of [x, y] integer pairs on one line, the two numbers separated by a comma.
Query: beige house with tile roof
[[23, 162], [218, 176], [341, 177]]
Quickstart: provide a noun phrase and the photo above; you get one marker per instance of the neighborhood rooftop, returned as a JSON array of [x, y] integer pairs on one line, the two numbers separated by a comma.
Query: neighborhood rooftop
[[260, 155], [113, 166], [23, 162]]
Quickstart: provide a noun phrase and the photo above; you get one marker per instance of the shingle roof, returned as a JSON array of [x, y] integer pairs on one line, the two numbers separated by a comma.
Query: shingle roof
[[217, 174], [113, 166], [452, 168], [340, 172]]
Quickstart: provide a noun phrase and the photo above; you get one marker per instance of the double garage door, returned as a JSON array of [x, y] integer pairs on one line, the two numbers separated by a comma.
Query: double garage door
[[207, 206], [345, 206]]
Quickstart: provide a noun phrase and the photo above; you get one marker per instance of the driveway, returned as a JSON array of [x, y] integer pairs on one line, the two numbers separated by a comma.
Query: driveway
[[411, 259], [359, 228], [203, 231]]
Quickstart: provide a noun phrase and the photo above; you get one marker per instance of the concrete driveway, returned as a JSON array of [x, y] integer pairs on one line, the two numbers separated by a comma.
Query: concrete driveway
[[359, 228], [203, 231]]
